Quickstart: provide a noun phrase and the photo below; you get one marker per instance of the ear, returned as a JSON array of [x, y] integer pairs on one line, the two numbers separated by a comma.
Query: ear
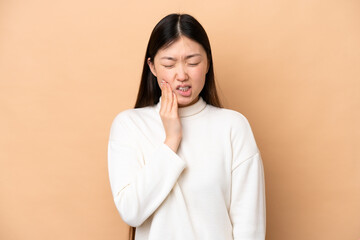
[[151, 66]]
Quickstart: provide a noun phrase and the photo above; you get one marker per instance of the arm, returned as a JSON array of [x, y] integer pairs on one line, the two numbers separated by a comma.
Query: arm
[[138, 191], [248, 210], [248, 204]]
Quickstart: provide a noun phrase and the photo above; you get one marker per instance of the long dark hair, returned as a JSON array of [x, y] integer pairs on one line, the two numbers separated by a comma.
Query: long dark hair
[[167, 31]]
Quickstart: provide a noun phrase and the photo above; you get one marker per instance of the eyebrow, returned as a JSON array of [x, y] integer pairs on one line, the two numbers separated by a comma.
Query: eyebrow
[[187, 57]]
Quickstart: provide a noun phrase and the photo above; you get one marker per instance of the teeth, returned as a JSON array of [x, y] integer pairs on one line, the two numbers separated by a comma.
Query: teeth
[[184, 89]]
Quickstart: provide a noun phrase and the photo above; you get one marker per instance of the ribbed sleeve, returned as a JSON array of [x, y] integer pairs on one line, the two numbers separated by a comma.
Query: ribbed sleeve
[[248, 204], [139, 189]]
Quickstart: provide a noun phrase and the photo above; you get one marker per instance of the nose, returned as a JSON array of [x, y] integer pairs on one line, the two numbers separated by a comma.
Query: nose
[[181, 73]]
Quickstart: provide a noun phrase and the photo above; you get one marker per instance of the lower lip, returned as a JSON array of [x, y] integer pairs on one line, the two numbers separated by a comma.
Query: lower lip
[[184, 94]]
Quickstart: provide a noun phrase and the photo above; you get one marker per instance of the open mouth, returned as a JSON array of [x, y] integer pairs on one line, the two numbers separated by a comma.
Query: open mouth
[[184, 91]]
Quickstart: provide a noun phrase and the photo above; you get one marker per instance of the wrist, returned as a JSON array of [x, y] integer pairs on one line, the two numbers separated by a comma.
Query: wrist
[[173, 143]]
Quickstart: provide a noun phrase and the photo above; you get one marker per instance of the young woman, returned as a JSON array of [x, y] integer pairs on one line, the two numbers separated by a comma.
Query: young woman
[[181, 166]]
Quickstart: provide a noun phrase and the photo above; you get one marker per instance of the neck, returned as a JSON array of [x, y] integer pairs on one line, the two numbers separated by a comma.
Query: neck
[[194, 101]]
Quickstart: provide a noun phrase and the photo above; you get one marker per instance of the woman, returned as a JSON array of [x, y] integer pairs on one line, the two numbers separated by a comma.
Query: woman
[[180, 166]]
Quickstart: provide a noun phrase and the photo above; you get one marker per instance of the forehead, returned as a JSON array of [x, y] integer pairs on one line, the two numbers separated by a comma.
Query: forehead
[[181, 47]]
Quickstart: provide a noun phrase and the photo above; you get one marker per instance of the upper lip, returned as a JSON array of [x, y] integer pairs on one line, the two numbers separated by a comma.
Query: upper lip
[[183, 85]]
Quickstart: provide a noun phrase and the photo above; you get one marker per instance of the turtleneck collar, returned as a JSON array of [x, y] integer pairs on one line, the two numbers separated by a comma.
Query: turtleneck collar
[[189, 110]]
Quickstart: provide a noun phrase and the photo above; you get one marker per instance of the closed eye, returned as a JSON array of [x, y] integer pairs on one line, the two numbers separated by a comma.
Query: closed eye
[[168, 66], [193, 64]]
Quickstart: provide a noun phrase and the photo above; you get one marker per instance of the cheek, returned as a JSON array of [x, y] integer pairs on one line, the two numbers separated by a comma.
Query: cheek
[[166, 75], [198, 75]]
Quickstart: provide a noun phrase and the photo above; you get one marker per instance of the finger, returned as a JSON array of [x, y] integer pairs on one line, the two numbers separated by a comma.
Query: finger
[[163, 95], [169, 98], [162, 85], [175, 104]]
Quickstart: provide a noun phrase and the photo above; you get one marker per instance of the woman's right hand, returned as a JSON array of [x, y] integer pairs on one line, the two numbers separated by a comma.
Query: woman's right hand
[[170, 116]]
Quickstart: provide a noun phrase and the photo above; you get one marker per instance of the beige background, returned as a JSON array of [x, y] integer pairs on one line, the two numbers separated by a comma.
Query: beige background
[[68, 67]]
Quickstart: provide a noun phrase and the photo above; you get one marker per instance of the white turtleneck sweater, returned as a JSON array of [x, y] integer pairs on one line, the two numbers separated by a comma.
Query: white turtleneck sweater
[[211, 189]]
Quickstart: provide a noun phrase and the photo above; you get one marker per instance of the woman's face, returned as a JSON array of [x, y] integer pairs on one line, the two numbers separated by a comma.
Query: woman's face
[[183, 65]]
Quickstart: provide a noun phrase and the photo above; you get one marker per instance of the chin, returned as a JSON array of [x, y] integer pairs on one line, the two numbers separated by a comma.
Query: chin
[[182, 103], [185, 102]]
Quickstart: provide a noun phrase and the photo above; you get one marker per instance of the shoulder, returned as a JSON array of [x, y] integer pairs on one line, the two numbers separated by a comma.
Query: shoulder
[[229, 117], [126, 120], [241, 135], [132, 114]]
